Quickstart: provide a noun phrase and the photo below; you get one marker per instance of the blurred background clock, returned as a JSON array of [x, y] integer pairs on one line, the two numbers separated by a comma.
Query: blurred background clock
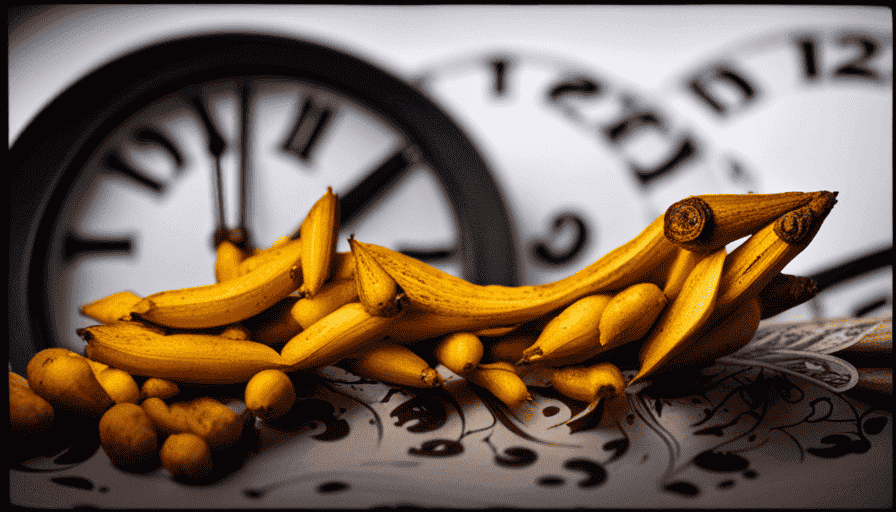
[[581, 123]]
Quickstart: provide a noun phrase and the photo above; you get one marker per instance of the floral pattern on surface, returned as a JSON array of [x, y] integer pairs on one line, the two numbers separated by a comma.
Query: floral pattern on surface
[[712, 436]]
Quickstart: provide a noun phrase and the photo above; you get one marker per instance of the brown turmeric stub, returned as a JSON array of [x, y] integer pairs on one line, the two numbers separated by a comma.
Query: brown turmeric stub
[[706, 223], [785, 291]]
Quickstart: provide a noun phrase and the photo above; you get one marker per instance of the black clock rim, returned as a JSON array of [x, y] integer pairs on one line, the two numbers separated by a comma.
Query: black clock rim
[[60, 138]]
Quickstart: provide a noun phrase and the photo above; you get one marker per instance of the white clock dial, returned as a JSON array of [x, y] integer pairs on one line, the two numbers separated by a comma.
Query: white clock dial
[[153, 178], [810, 108], [586, 160], [121, 231]]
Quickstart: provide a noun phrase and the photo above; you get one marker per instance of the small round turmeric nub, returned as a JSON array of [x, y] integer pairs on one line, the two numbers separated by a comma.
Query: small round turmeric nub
[[270, 394], [588, 383], [502, 381], [127, 435], [154, 387], [66, 380], [120, 385], [167, 419], [332, 296], [376, 289], [395, 364], [215, 422], [28, 413], [460, 352], [630, 314], [227, 261], [187, 457]]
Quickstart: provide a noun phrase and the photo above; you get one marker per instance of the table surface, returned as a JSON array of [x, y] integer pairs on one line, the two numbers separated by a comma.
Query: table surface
[[731, 435]]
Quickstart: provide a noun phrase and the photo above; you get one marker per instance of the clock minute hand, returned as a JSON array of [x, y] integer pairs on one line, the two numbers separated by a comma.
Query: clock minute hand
[[240, 236], [216, 147]]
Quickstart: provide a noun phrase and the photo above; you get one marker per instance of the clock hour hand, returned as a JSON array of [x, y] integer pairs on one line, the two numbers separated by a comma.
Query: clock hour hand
[[855, 267], [354, 203], [376, 184]]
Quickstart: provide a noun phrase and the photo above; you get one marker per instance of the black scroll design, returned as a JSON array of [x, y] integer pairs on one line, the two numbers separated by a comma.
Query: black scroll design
[[741, 410], [730, 413]]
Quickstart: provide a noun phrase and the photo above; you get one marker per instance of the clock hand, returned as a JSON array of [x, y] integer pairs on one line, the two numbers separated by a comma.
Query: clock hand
[[379, 181], [216, 146], [855, 267], [221, 232], [240, 235], [845, 271], [374, 185]]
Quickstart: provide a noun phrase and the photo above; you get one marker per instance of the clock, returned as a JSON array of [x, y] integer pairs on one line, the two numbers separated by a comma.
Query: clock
[[588, 157], [585, 139], [132, 176], [516, 144]]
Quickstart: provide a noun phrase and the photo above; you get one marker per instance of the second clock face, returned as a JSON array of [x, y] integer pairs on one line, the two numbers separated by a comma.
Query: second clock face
[[585, 145], [588, 159]]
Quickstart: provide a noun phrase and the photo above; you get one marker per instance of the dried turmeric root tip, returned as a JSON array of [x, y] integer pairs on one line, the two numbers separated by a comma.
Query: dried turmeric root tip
[[684, 317], [785, 291], [588, 383], [755, 263], [460, 352], [502, 381], [112, 308], [630, 314], [708, 222], [395, 364]]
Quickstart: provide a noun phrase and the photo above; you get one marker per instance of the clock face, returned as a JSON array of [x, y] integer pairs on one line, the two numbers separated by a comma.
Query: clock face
[[230, 146], [610, 157], [120, 233], [504, 144], [802, 108], [589, 122]]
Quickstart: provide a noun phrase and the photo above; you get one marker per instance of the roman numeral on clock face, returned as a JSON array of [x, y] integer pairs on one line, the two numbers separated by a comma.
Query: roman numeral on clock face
[[310, 126]]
